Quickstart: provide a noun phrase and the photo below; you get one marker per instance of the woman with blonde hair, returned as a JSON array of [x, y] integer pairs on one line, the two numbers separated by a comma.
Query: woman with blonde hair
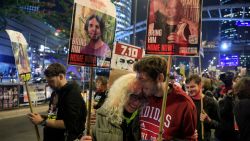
[[118, 118]]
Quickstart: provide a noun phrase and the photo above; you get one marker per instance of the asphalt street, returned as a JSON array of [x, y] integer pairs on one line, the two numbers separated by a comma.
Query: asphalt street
[[18, 129], [15, 125]]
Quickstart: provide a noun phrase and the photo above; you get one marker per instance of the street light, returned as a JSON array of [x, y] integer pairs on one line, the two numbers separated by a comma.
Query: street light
[[224, 46], [56, 33]]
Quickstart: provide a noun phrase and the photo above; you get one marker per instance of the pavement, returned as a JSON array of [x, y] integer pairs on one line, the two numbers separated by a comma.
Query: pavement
[[21, 111]]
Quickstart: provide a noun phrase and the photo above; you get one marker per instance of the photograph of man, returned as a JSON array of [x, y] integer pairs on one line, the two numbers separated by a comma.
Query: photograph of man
[[169, 17], [124, 63], [94, 28]]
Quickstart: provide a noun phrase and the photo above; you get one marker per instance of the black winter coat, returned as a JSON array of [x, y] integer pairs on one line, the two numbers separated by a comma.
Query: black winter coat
[[226, 131], [242, 115]]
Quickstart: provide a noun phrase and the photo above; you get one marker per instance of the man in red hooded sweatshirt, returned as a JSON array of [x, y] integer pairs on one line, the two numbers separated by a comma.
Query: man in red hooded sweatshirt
[[180, 115]]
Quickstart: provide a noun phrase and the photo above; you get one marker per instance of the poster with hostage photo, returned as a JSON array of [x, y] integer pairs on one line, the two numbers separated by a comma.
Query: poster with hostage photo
[[173, 27], [92, 33], [124, 56], [19, 47]]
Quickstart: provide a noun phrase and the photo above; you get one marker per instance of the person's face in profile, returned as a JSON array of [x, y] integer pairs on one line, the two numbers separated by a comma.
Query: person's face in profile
[[150, 87], [54, 82], [172, 9], [94, 30]]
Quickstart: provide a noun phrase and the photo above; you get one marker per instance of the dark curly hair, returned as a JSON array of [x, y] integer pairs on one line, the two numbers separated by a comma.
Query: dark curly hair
[[152, 65], [54, 70], [98, 19]]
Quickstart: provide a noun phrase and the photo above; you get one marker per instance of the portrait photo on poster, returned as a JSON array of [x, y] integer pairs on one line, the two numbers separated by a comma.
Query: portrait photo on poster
[[21, 57], [123, 62], [94, 29], [173, 27], [125, 56], [92, 37]]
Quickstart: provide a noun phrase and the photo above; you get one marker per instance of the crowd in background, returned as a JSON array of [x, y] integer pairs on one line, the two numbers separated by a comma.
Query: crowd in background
[[198, 108], [225, 101]]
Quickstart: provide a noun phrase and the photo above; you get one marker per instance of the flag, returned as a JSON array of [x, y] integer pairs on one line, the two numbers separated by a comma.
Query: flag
[[201, 51]]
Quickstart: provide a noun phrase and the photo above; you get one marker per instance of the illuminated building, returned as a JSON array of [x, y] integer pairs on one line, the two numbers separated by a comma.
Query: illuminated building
[[123, 15], [245, 61], [235, 31], [31, 8]]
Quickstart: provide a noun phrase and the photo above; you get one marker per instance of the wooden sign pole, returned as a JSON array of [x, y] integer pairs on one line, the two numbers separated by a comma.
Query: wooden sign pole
[[164, 102], [31, 109], [90, 100]]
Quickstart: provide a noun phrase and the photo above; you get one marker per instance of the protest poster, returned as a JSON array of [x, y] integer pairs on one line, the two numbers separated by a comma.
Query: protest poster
[[125, 55], [173, 27], [19, 47], [38, 92], [92, 33]]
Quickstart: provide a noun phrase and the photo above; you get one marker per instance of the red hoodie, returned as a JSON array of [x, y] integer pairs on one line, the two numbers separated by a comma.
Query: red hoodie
[[179, 121]]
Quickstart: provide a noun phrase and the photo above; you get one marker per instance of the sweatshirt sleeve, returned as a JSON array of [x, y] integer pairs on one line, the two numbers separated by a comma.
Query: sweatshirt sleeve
[[189, 122]]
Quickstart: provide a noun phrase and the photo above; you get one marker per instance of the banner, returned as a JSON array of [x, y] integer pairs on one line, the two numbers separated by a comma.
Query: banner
[[92, 33], [9, 96], [19, 47], [173, 27], [38, 92], [125, 55]]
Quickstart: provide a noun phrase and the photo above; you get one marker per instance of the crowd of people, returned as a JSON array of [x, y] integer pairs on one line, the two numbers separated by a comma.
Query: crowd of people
[[130, 109]]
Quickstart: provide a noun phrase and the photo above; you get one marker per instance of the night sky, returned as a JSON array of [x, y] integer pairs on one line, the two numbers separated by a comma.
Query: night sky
[[210, 30]]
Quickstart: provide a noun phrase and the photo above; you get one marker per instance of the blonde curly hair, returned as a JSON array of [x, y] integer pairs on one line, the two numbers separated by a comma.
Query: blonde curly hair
[[119, 94]]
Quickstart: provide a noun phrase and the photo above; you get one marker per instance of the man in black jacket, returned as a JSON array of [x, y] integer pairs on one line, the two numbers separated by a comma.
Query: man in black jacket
[[226, 130], [209, 115], [67, 110]]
